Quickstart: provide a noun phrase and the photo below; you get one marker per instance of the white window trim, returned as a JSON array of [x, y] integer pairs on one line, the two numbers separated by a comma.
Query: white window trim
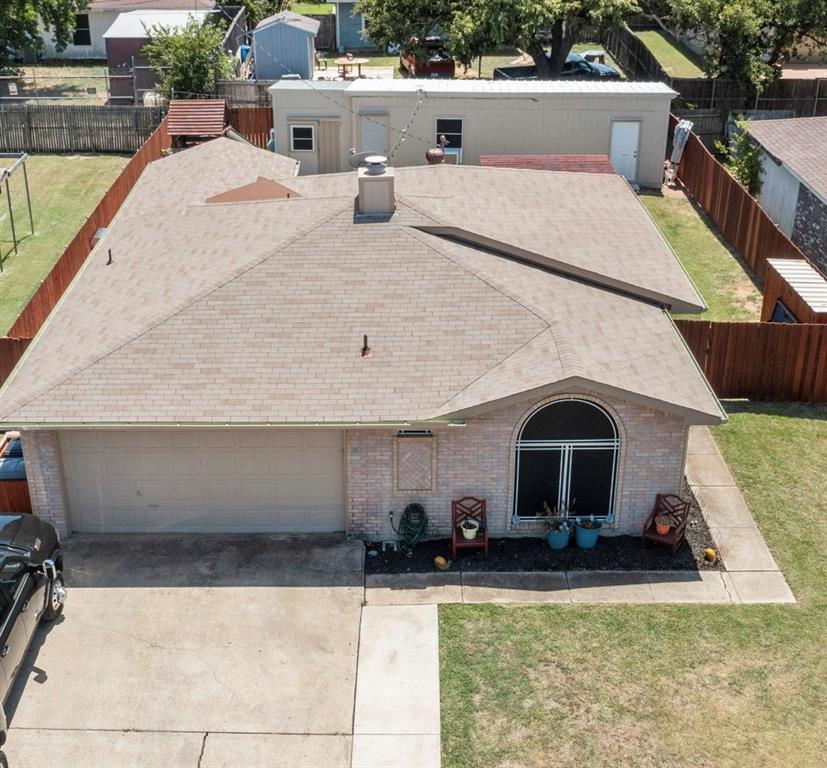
[[567, 447], [456, 151], [312, 128]]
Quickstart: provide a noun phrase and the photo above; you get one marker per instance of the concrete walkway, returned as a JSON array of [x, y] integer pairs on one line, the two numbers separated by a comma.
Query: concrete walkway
[[750, 565], [396, 717]]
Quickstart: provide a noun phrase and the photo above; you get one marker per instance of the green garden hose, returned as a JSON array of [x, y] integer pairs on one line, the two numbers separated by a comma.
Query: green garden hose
[[412, 527]]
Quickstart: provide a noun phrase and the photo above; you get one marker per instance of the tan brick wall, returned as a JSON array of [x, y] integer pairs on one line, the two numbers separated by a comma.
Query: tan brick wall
[[44, 473], [478, 460]]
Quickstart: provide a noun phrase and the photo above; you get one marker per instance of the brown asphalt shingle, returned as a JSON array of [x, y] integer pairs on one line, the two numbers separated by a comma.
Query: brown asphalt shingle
[[255, 312]]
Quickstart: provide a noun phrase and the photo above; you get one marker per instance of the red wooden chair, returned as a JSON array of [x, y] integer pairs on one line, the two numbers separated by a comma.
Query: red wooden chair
[[672, 508], [468, 508]]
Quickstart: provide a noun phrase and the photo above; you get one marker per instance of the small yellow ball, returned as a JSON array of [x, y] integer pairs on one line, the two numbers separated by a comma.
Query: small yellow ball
[[710, 554], [441, 563]]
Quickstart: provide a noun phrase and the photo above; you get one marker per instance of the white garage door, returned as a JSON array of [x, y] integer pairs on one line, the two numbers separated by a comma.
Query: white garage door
[[207, 480]]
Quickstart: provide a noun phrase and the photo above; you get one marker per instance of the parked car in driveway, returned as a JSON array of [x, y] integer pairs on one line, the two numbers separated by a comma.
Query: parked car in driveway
[[31, 589], [436, 62], [576, 67]]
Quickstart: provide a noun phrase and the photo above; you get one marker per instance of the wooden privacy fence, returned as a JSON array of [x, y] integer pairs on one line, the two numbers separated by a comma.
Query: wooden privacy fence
[[737, 214], [253, 123], [75, 128], [67, 266], [761, 361], [804, 97]]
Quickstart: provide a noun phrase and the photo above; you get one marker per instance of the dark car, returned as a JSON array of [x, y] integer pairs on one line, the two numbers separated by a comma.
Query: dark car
[[31, 589], [576, 67], [436, 62]]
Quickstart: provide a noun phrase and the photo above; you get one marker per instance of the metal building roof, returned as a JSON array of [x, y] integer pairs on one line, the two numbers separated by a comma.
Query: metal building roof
[[295, 20], [135, 24], [805, 280]]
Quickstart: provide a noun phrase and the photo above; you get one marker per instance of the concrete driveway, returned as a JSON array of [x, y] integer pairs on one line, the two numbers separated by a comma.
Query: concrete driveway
[[204, 651]]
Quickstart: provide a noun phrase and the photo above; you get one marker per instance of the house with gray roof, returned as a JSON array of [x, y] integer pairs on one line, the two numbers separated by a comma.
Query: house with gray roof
[[281, 353], [794, 180]]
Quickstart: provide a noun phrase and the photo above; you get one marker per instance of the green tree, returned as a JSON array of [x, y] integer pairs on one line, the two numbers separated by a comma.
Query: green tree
[[742, 157], [188, 60], [259, 9], [473, 26], [405, 22], [545, 29], [20, 30], [746, 40]]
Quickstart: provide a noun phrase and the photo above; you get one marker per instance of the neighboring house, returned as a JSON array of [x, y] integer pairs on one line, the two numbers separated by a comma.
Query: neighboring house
[[351, 31], [89, 42], [285, 44], [246, 350], [125, 40], [794, 188], [627, 121]]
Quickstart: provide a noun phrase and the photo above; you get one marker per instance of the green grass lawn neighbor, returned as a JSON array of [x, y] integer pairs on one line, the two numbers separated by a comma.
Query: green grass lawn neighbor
[[65, 189], [312, 9], [675, 58], [721, 277], [729, 686]]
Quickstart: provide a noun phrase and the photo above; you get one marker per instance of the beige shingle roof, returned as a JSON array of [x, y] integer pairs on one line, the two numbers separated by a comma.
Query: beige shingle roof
[[255, 312], [800, 143]]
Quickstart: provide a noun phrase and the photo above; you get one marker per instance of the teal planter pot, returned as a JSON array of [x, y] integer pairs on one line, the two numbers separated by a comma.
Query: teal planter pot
[[586, 538], [559, 539]]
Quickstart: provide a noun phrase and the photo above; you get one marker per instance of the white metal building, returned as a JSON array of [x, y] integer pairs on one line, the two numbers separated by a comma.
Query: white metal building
[[319, 123]]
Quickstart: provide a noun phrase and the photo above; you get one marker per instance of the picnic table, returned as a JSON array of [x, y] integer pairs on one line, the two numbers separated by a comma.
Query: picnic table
[[346, 64]]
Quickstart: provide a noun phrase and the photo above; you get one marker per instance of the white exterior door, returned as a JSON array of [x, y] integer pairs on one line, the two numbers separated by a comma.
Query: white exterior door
[[623, 148], [205, 480], [373, 134]]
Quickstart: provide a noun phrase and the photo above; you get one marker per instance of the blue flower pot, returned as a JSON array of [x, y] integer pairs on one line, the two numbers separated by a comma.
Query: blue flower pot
[[559, 539], [587, 537]]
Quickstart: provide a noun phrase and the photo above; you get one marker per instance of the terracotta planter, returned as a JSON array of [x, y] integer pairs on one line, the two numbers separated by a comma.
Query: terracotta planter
[[663, 528]]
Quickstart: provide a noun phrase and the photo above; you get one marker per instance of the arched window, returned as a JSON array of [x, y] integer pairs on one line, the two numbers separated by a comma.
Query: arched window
[[566, 460]]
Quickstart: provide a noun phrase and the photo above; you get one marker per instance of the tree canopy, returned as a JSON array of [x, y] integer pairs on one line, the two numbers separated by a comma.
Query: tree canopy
[[472, 27], [189, 60], [746, 40], [20, 30]]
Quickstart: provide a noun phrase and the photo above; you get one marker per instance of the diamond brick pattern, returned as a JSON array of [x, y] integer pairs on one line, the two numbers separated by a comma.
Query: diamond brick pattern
[[414, 463]]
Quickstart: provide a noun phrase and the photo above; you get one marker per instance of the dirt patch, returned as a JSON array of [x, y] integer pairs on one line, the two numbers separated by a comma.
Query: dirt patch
[[612, 553]]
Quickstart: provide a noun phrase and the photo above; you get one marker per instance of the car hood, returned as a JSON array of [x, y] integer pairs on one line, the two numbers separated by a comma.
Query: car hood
[[29, 534]]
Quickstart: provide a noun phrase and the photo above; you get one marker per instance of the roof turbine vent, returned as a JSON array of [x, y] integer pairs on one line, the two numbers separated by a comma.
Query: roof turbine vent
[[376, 165]]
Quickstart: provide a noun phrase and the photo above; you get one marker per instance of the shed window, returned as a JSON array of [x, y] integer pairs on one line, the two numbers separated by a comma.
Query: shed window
[[302, 138], [780, 314], [451, 129], [82, 34]]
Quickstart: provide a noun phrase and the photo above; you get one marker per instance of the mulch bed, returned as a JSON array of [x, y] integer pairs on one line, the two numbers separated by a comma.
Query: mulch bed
[[612, 553]]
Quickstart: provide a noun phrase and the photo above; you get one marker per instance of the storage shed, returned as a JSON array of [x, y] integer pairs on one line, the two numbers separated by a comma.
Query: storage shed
[[794, 292], [628, 122], [285, 44]]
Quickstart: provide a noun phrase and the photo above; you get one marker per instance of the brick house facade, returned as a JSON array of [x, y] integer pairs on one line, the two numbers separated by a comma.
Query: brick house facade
[[810, 227], [475, 459]]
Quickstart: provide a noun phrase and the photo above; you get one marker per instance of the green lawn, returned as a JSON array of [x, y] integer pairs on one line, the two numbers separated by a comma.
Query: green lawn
[[312, 9], [63, 82], [675, 58], [721, 277], [65, 190], [650, 686]]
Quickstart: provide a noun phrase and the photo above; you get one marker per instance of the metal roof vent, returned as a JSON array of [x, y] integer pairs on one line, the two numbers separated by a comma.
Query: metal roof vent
[[376, 193]]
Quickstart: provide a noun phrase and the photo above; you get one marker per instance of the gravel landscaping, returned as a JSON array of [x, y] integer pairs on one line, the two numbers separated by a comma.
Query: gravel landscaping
[[612, 553]]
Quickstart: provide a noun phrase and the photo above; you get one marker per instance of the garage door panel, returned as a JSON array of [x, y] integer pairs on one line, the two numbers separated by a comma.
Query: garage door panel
[[205, 480]]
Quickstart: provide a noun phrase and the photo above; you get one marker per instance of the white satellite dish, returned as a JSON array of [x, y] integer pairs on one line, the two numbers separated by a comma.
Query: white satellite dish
[[358, 159]]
